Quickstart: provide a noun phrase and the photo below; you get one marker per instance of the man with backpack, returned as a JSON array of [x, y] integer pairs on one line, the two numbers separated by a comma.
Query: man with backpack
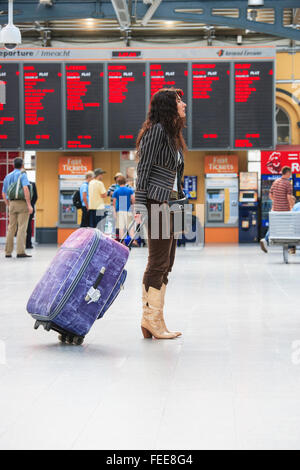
[[17, 196], [84, 199]]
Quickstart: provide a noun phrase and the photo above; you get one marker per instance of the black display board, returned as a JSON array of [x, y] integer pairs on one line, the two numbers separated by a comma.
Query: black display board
[[126, 103], [230, 106], [211, 105], [42, 106], [167, 75], [10, 109], [84, 88], [254, 105]]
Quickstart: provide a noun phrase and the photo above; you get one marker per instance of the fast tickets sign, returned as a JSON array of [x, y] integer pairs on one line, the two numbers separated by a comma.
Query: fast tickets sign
[[74, 165], [221, 164]]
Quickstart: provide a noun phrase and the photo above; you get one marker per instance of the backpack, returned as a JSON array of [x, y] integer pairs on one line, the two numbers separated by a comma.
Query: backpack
[[77, 199], [16, 191]]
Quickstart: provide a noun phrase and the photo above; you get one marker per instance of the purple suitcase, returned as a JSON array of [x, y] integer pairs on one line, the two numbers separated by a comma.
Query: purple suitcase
[[80, 284]]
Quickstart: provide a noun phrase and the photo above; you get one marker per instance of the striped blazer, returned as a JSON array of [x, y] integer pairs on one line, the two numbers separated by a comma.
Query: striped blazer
[[157, 167]]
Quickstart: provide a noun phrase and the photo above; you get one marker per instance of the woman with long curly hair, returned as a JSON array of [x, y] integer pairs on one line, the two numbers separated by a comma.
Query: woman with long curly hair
[[160, 146]]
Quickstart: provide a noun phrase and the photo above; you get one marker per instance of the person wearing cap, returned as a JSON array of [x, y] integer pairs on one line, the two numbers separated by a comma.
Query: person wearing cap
[[84, 197], [97, 193]]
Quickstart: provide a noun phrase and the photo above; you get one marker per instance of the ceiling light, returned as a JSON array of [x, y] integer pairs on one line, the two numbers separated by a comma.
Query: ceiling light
[[169, 24], [47, 3], [255, 3], [89, 23]]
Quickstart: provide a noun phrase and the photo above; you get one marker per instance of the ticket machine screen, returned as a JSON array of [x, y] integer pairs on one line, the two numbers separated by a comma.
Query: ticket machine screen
[[248, 196]]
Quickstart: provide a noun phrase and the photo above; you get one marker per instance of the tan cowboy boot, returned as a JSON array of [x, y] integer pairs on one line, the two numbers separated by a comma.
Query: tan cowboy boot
[[163, 294], [152, 325]]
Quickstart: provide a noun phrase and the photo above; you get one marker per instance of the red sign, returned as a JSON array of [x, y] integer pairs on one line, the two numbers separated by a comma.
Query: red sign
[[74, 165], [221, 164], [273, 162]]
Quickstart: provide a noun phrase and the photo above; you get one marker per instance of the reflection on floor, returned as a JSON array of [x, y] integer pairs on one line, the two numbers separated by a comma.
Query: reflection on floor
[[232, 381]]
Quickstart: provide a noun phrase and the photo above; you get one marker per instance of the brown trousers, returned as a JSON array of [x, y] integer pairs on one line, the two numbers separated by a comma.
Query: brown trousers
[[18, 218], [161, 247]]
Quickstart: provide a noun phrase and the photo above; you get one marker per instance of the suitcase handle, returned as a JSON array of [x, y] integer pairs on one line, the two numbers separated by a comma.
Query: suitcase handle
[[99, 278], [138, 228], [94, 294]]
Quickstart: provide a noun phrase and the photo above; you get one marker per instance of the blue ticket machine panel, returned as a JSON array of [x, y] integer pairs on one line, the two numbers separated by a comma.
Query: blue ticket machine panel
[[248, 217], [296, 184]]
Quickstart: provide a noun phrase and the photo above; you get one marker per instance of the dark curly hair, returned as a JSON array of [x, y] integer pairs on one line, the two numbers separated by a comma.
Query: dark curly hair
[[163, 110]]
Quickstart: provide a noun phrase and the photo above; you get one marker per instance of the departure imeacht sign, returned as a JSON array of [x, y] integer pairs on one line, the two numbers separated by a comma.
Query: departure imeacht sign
[[146, 53]]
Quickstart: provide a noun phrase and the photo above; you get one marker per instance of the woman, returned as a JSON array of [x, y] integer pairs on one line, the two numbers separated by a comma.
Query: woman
[[160, 145]]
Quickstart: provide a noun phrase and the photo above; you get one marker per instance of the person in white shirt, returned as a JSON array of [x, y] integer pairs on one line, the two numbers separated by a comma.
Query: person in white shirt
[[97, 193]]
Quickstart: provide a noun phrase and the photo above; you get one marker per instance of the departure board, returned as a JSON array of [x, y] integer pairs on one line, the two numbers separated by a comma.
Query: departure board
[[211, 105], [9, 106], [254, 104], [168, 75], [42, 106], [75, 103], [84, 106], [126, 103]]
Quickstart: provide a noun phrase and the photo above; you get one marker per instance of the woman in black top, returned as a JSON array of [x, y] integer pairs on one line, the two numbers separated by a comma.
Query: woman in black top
[[160, 147]]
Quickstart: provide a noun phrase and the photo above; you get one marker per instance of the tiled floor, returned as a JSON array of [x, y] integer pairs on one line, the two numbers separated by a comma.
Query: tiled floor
[[232, 381]]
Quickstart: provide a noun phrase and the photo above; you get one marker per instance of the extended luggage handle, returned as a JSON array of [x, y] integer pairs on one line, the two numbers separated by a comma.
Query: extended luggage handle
[[138, 228], [94, 294]]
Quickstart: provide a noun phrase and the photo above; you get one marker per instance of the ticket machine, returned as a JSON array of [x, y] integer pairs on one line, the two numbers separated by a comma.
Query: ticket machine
[[248, 208], [221, 200], [67, 211]]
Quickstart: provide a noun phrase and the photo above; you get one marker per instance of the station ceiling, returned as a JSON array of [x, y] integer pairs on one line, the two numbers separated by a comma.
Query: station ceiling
[[105, 20]]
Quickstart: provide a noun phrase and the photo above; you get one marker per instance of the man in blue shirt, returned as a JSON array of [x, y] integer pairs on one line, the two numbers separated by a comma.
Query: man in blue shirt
[[113, 187], [19, 210], [84, 196], [123, 198]]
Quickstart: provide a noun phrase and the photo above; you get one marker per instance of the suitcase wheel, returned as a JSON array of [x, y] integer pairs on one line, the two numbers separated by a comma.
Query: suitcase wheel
[[70, 339], [76, 340]]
